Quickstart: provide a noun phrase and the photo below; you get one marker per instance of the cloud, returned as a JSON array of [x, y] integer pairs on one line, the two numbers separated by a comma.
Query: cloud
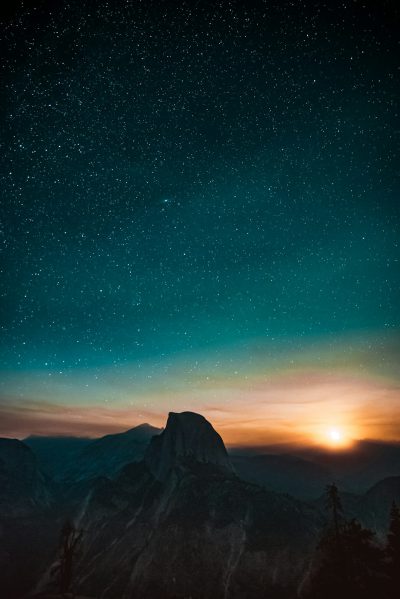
[[290, 407], [44, 418], [256, 393]]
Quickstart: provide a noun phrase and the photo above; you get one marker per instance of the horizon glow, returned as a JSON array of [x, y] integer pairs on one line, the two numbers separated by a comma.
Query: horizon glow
[[200, 212], [287, 399]]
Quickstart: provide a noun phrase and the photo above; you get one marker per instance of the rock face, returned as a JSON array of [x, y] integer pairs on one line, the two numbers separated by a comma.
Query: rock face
[[200, 533], [74, 459], [186, 436], [26, 532], [22, 485], [56, 454], [179, 523], [182, 524], [107, 455]]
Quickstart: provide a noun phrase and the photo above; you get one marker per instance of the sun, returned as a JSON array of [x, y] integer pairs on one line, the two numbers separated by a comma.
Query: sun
[[335, 437]]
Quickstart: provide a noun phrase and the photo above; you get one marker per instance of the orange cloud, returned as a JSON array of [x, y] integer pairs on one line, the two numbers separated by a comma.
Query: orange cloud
[[294, 407]]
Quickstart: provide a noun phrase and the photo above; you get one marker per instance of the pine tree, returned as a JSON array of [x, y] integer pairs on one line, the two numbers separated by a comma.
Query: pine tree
[[364, 561], [393, 538], [393, 551], [349, 563], [335, 504]]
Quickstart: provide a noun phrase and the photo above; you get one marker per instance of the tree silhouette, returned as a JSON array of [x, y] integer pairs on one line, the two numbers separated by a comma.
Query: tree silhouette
[[334, 503], [393, 551], [393, 538], [70, 539], [348, 563], [364, 562]]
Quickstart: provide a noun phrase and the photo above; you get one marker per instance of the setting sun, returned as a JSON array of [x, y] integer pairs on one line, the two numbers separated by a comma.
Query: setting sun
[[336, 437]]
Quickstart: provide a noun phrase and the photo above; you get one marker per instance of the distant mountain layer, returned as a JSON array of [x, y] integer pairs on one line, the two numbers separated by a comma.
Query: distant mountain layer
[[305, 473], [182, 524], [170, 514], [373, 508], [284, 473], [77, 459], [360, 467], [55, 454]]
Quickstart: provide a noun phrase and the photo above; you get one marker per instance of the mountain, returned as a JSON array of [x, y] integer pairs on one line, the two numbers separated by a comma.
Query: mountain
[[373, 508], [181, 523], [76, 459], [304, 472], [358, 468], [22, 485], [107, 455], [283, 473], [26, 533], [187, 435], [55, 454], [168, 513]]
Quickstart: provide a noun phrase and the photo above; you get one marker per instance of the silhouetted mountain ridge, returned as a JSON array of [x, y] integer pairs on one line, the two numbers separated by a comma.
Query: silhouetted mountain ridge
[[107, 455], [305, 472], [76, 459], [283, 473], [186, 435], [182, 524], [56, 453], [23, 485], [26, 531], [174, 517]]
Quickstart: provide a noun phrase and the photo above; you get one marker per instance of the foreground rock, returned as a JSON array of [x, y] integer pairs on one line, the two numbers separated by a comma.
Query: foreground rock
[[26, 535], [182, 524]]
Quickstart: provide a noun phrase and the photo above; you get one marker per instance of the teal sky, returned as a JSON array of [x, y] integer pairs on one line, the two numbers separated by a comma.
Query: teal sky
[[197, 199]]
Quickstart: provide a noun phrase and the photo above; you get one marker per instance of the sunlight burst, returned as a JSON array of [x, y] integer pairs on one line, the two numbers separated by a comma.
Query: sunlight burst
[[336, 437]]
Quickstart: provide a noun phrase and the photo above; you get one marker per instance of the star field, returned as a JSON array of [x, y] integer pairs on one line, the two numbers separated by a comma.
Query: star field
[[182, 181]]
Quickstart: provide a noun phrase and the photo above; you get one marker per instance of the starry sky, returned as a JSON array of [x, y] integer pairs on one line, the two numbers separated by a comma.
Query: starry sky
[[200, 210]]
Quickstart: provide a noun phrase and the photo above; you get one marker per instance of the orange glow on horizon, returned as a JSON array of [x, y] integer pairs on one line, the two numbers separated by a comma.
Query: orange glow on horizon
[[335, 438], [330, 409]]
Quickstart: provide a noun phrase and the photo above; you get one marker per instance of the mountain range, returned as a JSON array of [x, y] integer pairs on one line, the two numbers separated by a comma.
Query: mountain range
[[74, 458], [301, 472], [170, 513]]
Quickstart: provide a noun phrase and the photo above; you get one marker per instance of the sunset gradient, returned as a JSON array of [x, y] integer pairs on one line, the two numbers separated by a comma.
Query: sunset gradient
[[200, 211], [254, 394]]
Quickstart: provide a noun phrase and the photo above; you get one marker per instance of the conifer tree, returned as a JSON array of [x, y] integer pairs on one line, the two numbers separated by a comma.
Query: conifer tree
[[393, 538], [335, 504], [393, 551], [348, 562]]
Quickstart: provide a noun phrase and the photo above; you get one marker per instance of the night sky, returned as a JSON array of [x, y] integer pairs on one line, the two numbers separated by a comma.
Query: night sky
[[200, 210]]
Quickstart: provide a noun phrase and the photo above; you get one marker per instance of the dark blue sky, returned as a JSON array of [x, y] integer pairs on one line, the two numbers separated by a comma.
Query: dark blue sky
[[187, 179]]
